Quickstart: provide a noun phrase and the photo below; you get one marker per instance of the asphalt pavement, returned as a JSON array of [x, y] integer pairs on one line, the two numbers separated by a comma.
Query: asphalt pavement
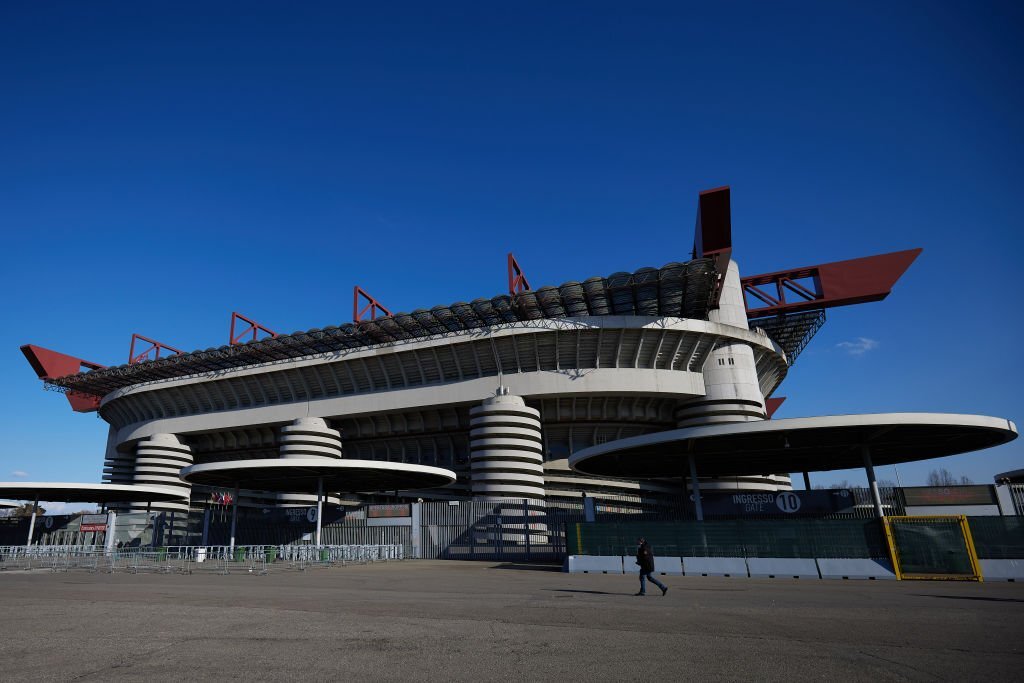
[[425, 620]]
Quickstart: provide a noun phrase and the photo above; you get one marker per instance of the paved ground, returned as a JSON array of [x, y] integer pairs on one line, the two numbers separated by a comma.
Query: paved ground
[[490, 622]]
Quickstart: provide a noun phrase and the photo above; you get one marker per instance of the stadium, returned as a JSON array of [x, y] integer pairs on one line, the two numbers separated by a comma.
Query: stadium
[[502, 391]]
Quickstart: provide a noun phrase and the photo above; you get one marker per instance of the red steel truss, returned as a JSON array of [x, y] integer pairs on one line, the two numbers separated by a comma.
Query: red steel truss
[[516, 278], [372, 306], [841, 283], [52, 364], [155, 348], [254, 327]]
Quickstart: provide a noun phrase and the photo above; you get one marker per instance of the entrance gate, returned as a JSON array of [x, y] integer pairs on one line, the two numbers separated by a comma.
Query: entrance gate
[[933, 547]]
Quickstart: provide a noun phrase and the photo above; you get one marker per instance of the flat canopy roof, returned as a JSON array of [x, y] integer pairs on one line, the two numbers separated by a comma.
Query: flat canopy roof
[[301, 475], [73, 492], [803, 444]]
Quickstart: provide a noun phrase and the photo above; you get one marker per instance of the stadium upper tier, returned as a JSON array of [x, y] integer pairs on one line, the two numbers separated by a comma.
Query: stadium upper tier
[[675, 290]]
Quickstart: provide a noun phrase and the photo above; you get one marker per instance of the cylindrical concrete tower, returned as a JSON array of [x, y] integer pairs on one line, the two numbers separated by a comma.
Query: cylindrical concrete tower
[[310, 437], [506, 458], [158, 460], [732, 390]]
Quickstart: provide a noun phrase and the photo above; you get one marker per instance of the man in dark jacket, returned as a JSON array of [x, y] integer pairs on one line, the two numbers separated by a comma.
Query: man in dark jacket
[[645, 558]]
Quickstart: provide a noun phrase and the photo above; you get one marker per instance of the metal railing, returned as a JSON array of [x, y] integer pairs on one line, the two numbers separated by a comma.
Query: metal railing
[[220, 559]]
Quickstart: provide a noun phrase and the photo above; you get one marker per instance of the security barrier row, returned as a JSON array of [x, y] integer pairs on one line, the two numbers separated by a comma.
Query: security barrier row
[[251, 559]]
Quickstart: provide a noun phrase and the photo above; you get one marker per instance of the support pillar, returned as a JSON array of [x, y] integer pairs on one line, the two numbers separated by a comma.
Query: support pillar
[[111, 530], [32, 523], [319, 506], [206, 525], [807, 481], [234, 517], [695, 487], [869, 468]]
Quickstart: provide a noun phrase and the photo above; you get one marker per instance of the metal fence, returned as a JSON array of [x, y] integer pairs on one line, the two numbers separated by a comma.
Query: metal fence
[[251, 559]]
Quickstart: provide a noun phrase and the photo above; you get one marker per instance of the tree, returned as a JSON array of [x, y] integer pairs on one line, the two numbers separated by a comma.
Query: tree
[[943, 477], [25, 510]]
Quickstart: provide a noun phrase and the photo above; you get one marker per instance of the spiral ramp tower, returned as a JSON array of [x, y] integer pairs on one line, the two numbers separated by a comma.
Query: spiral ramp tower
[[507, 463], [158, 460], [308, 437]]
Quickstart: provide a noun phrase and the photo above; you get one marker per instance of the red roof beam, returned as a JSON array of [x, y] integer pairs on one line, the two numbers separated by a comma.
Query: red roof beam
[[771, 405], [373, 307], [516, 278], [154, 348], [51, 365], [712, 236], [254, 327], [841, 283]]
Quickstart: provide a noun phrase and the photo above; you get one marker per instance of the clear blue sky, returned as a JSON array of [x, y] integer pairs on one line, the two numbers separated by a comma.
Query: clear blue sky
[[163, 164]]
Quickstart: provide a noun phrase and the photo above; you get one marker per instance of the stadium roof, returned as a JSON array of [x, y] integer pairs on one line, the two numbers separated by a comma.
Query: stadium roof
[[676, 289]]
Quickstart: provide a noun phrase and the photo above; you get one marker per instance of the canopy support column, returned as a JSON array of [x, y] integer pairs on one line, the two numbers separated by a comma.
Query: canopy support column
[[695, 487], [807, 482], [32, 524], [319, 506], [234, 517], [869, 468]]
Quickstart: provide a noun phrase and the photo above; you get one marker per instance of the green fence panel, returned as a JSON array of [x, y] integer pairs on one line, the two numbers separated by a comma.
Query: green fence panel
[[854, 538], [998, 538]]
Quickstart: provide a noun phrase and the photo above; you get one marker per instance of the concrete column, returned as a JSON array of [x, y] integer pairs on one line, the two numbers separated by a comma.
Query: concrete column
[[696, 488], [869, 468], [32, 522], [111, 530], [417, 530], [206, 525], [319, 507], [807, 481], [234, 517]]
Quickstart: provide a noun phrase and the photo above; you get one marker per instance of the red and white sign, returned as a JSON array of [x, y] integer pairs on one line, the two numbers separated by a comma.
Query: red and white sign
[[94, 523]]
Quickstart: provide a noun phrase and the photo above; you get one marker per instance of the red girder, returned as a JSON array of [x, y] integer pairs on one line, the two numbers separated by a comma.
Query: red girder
[[712, 236], [516, 278], [771, 405], [254, 327], [372, 305], [840, 283], [52, 364], [155, 346]]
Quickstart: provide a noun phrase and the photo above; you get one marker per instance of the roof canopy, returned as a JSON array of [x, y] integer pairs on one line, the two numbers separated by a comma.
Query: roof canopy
[[62, 492], [301, 475], [805, 444]]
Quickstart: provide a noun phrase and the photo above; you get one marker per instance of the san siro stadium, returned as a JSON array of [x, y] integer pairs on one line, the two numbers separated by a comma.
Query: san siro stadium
[[502, 390]]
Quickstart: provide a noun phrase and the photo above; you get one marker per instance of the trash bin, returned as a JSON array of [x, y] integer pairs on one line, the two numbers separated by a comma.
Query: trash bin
[[200, 554], [324, 555], [161, 554], [271, 553], [239, 554]]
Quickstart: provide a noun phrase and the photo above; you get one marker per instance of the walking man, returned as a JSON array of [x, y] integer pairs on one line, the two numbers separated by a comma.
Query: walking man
[[645, 558]]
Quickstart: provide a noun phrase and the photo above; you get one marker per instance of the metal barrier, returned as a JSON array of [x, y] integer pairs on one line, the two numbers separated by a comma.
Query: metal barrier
[[221, 559]]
